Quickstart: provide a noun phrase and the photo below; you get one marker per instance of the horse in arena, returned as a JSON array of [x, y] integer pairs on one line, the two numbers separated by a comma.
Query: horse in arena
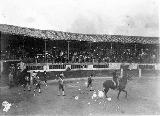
[[109, 84]]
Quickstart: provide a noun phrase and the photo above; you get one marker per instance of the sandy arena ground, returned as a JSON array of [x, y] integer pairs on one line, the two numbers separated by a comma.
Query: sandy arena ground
[[143, 98]]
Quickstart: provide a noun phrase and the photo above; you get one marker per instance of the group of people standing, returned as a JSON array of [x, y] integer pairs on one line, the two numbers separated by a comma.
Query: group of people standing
[[35, 81], [28, 80]]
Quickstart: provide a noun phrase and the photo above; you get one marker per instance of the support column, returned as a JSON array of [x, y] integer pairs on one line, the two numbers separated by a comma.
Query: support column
[[45, 49], [68, 50]]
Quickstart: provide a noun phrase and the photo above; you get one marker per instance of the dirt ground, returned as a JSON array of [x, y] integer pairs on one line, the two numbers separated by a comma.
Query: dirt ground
[[143, 98]]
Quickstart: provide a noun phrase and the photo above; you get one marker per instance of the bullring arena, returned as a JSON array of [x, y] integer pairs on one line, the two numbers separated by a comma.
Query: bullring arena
[[143, 88]]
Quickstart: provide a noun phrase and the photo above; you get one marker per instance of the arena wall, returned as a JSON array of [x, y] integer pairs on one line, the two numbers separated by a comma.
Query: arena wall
[[78, 70], [39, 67]]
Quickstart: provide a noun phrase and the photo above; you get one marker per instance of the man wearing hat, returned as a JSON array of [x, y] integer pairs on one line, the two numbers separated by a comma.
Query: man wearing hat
[[61, 84], [90, 82], [115, 79]]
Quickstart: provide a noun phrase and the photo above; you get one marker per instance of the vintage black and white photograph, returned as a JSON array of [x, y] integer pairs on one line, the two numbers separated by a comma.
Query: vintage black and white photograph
[[79, 57]]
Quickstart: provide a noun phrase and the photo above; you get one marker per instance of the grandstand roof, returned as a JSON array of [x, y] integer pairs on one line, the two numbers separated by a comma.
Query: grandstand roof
[[59, 35]]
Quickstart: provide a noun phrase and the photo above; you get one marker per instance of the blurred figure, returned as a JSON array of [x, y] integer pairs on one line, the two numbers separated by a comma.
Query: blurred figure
[[10, 79]]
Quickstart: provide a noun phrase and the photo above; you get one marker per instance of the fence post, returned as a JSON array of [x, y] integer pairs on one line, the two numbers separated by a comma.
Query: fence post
[[140, 72], [121, 73], [1, 67]]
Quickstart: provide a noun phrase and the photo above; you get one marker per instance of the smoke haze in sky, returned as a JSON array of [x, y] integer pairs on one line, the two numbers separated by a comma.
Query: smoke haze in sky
[[121, 17]]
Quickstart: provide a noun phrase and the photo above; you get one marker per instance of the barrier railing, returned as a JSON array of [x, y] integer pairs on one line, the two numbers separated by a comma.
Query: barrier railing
[[96, 66], [147, 66], [57, 66], [34, 67]]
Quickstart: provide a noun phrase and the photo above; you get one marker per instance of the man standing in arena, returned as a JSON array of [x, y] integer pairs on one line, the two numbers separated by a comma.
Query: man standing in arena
[[33, 77], [37, 84], [10, 79], [61, 84], [27, 83], [115, 79], [90, 82]]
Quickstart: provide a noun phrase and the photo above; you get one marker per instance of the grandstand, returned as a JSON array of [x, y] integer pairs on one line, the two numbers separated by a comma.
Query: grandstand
[[64, 51]]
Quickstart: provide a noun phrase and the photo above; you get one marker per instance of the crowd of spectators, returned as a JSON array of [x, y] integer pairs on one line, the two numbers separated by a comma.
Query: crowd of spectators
[[85, 52]]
